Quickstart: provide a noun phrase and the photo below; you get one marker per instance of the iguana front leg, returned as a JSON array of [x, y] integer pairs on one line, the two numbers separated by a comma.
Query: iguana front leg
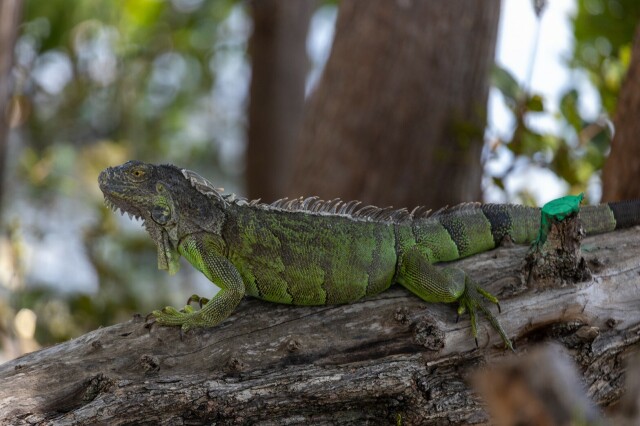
[[447, 285], [201, 251]]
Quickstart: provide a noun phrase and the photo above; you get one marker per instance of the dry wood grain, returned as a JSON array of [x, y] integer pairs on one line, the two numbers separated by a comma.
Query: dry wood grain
[[383, 360]]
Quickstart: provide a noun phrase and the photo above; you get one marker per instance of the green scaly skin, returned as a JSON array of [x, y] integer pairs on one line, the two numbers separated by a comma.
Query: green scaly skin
[[309, 252]]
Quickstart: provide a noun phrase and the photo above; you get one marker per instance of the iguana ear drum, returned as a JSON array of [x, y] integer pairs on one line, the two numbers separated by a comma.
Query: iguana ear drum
[[161, 214]]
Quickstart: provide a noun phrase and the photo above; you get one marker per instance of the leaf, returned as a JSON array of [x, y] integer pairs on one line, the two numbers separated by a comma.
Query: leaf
[[535, 104], [506, 84], [569, 109], [532, 142], [564, 165]]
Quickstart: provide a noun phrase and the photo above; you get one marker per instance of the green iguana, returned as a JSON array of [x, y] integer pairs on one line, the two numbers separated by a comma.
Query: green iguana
[[308, 251]]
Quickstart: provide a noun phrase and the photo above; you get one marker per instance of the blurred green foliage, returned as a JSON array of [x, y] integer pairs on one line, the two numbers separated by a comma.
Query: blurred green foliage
[[138, 73], [603, 31], [98, 82]]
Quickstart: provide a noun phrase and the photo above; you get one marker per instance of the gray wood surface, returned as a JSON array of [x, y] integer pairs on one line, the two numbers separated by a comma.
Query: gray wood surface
[[383, 360]]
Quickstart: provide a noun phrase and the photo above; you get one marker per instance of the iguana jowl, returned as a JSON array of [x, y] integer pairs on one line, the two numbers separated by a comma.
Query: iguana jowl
[[314, 252]]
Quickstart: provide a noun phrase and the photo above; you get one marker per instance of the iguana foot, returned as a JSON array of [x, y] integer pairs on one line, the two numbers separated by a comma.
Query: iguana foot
[[187, 318], [471, 301]]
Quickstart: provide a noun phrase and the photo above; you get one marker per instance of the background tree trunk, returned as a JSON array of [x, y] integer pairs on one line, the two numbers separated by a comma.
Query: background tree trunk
[[10, 13], [400, 108], [279, 67], [621, 171], [382, 360]]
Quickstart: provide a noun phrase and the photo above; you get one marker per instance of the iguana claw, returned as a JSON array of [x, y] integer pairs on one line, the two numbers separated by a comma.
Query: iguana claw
[[470, 301], [200, 300]]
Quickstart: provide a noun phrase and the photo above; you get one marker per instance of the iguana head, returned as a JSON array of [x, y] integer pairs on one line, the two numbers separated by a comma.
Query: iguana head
[[166, 199]]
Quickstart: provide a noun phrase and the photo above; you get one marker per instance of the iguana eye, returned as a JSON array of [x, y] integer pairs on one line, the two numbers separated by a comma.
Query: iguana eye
[[138, 174]]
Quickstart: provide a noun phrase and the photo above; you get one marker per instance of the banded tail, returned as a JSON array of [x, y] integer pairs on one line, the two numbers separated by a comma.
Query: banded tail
[[625, 215], [474, 228], [522, 223]]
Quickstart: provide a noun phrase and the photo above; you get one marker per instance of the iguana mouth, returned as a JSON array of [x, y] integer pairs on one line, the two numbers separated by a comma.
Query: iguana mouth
[[114, 207], [114, 197]]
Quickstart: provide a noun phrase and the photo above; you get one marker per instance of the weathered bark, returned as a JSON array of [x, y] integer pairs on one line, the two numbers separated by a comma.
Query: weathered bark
[[10, 13], [622, 169], [381, 360], [400, 108], [279, 69]]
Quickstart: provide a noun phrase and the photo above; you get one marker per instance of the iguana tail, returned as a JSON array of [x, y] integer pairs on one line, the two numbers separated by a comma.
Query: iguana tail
[[610, 216], [469, 229], [521, 223]]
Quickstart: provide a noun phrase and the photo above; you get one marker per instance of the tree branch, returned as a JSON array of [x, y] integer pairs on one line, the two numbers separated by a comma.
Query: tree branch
[[385, 359]]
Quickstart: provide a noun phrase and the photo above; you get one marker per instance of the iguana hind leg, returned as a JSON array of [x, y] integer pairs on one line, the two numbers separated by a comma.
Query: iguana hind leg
[[448, 285]]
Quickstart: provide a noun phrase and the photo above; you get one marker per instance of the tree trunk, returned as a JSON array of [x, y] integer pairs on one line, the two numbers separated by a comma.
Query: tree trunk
[[622, 169], [388, 359], [279, 68], [10, 13], [400, 109]]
